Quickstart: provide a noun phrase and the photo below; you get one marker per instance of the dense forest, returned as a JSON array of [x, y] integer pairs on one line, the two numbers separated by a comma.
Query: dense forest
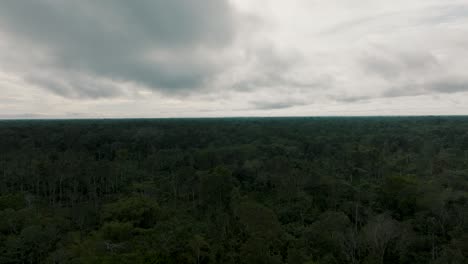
[[239, 190]]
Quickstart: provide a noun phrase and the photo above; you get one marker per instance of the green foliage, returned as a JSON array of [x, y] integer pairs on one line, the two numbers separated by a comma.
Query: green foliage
[[13, 201], [259, 220], [139, 211], [117, 231], [248, 190], [216, 187], [399, 194]]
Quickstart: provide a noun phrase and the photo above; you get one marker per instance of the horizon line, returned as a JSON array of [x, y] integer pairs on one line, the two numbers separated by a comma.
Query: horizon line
[[219, 117]]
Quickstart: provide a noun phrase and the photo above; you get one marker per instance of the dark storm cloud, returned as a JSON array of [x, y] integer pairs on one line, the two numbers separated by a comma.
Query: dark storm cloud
[[163, 45]]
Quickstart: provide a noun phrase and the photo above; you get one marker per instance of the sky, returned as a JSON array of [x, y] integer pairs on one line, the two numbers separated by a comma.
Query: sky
[[215, 58]]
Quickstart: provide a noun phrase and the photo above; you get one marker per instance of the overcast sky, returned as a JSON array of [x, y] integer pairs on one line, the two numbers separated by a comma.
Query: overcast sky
[[186, 58]]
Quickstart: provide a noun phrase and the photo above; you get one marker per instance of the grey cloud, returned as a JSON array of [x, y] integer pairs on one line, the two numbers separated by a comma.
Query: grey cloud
[[155, 43], [443, 85], [271, 69], [406, 90], [381, 66], [409, 73], [22, 116], [42, 116], [398, 92], [265, 105], [392, 65], [75, 87], [127, 23], [351, 99], [268, 68], [453, 85]]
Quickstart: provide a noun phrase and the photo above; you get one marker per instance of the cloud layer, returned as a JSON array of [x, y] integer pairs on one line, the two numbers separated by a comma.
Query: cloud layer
[[153, 58], [162, 45]]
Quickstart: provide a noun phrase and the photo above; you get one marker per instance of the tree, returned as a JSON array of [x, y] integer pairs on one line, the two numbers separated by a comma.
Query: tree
[[379, 234], [200, 249], [140, 211]]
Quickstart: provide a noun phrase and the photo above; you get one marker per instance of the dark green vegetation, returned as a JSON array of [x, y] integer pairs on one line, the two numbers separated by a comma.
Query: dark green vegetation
[[295, 190]]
